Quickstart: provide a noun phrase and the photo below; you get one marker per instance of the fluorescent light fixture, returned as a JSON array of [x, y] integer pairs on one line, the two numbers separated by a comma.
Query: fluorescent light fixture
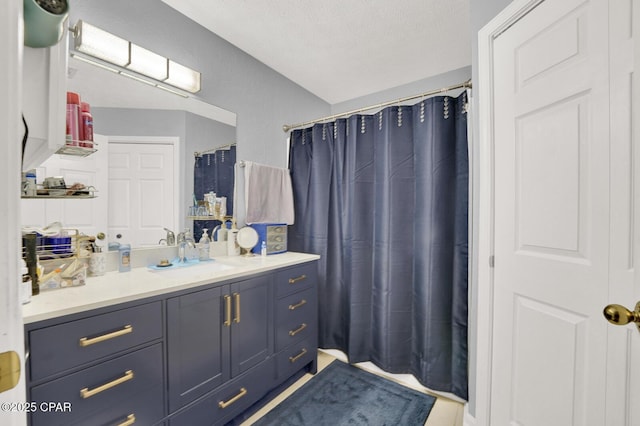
[[183, 77], [101, 44], [95, 42], [147, 63]]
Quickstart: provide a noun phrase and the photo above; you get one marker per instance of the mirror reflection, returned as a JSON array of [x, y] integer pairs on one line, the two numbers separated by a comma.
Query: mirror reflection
[[144, 167]]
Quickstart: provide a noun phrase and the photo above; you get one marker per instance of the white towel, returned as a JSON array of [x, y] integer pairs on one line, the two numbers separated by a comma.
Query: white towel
[[268, 194]]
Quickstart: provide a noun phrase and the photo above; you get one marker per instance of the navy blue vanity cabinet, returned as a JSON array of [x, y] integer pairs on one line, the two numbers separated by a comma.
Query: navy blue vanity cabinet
[[108, 366], [216, 334]]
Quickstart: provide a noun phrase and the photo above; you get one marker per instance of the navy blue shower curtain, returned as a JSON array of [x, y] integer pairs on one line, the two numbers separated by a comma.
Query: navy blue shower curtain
[[214, 172], [383, 199]]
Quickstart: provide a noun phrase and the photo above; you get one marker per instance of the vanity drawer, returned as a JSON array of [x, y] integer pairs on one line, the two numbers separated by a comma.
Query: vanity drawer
[[294, 279], [234, 397], [114, 384], [295, 357], [58, 348], [295, 318]]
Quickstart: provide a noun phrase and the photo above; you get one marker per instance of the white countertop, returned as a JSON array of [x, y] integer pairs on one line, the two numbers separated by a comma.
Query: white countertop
[[118, 287]]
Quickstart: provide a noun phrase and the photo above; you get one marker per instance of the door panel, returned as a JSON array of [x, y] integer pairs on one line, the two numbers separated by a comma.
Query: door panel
[[141, 179], [551, 216]]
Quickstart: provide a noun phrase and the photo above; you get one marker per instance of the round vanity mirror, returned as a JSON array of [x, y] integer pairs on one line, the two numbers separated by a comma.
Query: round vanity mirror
[[247, 239]]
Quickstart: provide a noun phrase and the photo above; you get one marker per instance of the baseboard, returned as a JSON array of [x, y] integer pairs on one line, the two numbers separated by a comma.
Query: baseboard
[[468, 419]]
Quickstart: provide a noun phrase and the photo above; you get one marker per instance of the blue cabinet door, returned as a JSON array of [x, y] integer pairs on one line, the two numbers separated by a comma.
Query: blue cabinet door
[[251, 328], [198, 354]]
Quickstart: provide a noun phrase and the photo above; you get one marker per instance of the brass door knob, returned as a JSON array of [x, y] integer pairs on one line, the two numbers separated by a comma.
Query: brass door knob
[[619, 315]]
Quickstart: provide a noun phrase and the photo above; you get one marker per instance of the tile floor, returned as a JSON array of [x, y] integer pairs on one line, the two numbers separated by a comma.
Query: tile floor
[[445, 412]]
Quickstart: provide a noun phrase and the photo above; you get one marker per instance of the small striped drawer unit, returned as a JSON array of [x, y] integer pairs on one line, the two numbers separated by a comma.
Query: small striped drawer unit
[[274, 234]]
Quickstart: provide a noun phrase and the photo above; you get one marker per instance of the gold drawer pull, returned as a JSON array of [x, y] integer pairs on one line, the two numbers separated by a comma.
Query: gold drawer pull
[[86, 393], [85, 341], [227, 301], [296, 279], [225, 404], [236, 296], [131, 419], [297, 330], [297, 305], [293, 359]]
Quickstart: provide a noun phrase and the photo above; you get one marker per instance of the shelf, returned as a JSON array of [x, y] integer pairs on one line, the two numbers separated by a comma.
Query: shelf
[[204, 218], [78, 151], [54, 197], [79, 194]]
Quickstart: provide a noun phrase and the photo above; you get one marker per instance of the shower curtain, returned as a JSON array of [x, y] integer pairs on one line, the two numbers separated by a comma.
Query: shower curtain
[[214, 172], [383, 200]]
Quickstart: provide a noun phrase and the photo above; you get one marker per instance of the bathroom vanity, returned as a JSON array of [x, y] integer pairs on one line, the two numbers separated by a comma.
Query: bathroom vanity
[[189, 346]]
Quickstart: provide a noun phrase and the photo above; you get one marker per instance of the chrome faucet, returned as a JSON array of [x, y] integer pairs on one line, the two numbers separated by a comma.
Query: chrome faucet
[[185, 240], [171, 237]]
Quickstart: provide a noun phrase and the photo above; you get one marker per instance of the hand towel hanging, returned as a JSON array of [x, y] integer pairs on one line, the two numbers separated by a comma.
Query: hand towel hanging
[[268, 194]]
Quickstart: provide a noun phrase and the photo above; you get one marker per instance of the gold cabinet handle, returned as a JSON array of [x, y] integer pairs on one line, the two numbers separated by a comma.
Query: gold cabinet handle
[[297, 330], [296, 279], [86, 393], [85, 341], [236, 297], [293, 359], [225, 404], [297, 305], [131, 419], [227, 303]]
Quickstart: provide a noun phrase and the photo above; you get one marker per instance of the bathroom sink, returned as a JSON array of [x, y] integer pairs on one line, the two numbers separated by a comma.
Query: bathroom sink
[[191, 268]]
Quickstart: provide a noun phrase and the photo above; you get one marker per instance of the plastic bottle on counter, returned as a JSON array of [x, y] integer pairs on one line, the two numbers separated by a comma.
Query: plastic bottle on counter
[[203, 246], [124, 263], [263, 249], [86, 124]]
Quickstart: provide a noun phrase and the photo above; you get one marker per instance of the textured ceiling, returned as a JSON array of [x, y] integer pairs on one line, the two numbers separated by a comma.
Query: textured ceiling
[[340, 50]]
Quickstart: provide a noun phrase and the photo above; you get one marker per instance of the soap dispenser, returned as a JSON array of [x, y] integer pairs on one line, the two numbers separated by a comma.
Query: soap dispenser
[[203, 246]]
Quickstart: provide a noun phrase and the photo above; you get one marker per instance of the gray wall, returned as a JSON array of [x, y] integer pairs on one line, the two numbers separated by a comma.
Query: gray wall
[[431, 83]]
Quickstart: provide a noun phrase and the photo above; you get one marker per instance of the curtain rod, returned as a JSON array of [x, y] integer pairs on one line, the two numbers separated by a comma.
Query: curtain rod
[[200, 154], [466, 85]]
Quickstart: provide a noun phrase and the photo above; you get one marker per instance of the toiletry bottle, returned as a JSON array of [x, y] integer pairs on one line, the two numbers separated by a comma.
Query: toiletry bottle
[[124, 264], [86, 123], [204, 245], [233, 249]]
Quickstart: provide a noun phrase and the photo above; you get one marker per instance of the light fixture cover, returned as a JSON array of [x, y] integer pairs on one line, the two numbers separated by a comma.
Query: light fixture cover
[[183, 77], [147, 63], [101, 44], [95, 42]]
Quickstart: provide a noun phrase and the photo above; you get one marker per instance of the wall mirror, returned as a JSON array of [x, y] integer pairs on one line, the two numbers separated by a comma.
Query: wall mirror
[[138, 127]]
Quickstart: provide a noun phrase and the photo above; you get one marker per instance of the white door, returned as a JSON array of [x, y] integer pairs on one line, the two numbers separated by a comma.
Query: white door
[[557, 194], [142, 192], [11, 327]]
